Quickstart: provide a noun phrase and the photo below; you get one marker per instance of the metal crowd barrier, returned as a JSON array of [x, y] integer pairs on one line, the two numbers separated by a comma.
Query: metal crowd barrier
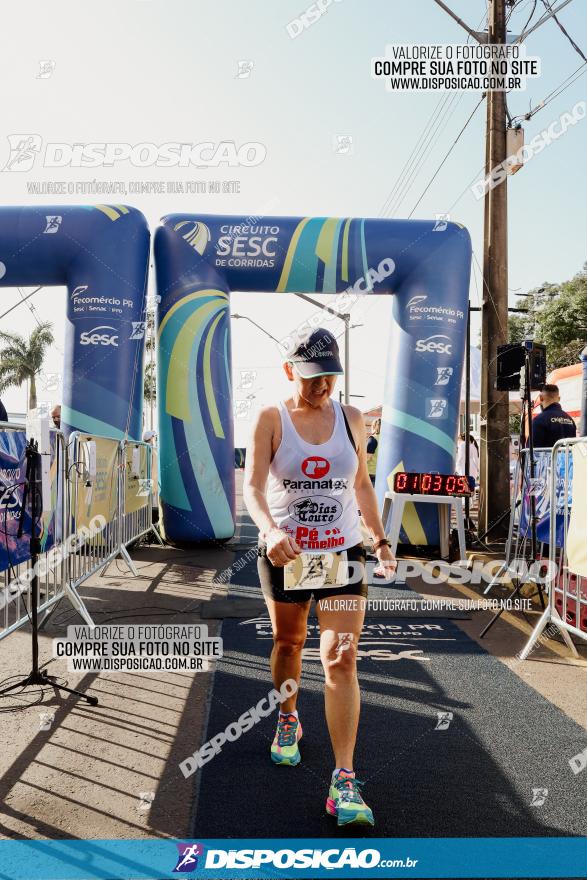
[[16, 598], [517, 548], [136, 518], [125, 522], [95, 476], [567, 605]]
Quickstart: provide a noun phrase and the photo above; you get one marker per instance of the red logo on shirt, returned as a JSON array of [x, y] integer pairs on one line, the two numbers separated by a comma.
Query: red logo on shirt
[[315, 467]]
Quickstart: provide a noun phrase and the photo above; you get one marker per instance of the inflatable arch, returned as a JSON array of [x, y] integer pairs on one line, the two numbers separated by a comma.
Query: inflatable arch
[[101, 253], [200, 259]]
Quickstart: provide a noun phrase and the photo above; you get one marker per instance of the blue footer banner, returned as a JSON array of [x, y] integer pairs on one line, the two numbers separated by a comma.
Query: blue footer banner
[[288, 858]]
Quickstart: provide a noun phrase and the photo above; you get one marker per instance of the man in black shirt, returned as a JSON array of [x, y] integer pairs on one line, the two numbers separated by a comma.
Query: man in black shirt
[[3, 413], [553, 423]]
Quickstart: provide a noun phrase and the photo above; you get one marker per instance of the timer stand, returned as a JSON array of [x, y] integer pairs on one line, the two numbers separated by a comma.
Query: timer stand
[[408, 489]]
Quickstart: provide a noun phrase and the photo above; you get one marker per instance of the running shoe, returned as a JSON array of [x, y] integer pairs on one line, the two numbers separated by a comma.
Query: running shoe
[[345, 802], [284, 748]]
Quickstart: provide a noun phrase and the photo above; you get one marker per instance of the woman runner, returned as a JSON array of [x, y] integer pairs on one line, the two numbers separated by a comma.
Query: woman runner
[[306, 478]]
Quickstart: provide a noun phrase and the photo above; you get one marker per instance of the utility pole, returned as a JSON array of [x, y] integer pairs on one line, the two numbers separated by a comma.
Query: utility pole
[[494, 464]]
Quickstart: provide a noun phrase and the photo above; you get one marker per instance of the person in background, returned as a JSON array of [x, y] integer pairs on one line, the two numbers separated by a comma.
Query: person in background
[[3, 413], [553, 423], [373, 449], [473, 457], [56, 416], [150, 437]]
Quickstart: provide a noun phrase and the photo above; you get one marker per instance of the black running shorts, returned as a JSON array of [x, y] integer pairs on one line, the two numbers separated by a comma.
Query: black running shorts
[[271, 578]]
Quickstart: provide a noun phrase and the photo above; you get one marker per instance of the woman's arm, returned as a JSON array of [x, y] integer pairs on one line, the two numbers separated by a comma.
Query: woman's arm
[[280, 547], [364, 491], [257, 463]]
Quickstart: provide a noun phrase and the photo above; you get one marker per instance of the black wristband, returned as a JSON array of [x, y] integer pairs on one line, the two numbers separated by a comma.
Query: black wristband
[[381, 543]]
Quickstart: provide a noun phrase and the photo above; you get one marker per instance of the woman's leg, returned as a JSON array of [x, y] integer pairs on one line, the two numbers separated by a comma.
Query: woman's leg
[[289, 621], [339, 637]]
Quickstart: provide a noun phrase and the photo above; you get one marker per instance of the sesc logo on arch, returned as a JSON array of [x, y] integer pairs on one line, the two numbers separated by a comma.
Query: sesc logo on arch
[[103, 335], [438, 344]]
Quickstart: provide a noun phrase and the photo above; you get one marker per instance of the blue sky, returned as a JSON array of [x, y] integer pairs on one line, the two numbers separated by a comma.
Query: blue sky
[[153, 71]]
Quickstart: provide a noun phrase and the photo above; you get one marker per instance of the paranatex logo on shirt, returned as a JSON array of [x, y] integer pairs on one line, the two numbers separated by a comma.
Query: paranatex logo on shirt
[[315, 467], [318, 510]]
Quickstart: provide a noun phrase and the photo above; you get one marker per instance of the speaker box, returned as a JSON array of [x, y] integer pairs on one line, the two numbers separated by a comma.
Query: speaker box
[[510, 361]]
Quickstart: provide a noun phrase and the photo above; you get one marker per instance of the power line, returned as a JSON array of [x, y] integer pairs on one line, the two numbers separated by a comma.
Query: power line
[[391, 203], [530, 17], [409, 159], [31, 306], [579, 51], [566, 83], [450, 110], [541, 21], [451, 148], [28, 296]]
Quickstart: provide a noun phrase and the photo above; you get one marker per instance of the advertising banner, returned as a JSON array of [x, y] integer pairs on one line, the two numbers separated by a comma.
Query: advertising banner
[[15, 549], [540, 487]]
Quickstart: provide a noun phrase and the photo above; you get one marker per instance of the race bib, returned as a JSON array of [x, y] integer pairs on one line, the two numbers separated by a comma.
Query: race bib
[[315, 571]]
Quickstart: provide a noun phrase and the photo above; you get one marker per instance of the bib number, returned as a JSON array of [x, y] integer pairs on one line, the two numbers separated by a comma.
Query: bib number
[[316, 571]]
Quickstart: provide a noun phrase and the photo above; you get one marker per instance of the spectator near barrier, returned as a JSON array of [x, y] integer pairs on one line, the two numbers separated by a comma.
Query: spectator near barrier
[[3, 413], [553, 423], [373, 449], [473, 457]]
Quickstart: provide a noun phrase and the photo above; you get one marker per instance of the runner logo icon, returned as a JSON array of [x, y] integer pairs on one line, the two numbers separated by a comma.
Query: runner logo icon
[[315, 467], [187, 861]]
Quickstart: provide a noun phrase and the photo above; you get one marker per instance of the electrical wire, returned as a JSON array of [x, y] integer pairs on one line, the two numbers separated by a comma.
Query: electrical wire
[[530, 17], [428, 148], [548, 7], [412, 166], [566, 83], [409, 161], [23, 299], [451, 148]]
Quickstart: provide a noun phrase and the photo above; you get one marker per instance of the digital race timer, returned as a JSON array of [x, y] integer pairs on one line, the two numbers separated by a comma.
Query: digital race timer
[[430, 484]]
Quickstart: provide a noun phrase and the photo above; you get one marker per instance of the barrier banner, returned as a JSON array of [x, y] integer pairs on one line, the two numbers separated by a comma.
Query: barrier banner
[[13, 549], [135, 477], [542, 460], [576, 543], [96, 495]]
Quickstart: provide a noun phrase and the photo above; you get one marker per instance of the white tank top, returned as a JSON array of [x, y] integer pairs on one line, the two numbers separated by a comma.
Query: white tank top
[[310, 490]]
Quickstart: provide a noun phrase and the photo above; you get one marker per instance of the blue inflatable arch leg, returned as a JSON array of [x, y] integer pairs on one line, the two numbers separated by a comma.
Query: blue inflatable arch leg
[[101, 253], [201, 258]]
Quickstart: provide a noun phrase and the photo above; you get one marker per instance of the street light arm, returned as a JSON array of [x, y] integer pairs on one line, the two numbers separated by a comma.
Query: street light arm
[[320, 306], [262, 329], [464, 25]]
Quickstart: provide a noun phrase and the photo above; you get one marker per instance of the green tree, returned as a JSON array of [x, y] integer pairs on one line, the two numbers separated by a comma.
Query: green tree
[[557, 317], [22, 359], [563, 322]]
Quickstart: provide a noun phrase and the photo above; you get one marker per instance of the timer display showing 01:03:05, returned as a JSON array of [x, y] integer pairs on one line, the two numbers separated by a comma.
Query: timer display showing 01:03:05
[[430, 484]]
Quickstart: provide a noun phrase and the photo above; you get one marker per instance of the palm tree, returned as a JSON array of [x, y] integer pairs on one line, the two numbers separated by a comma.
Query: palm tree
[[22, 359]]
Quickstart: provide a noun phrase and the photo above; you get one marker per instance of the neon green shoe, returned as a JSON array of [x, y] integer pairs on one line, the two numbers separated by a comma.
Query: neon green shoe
[[345, 802], [284, 748]]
